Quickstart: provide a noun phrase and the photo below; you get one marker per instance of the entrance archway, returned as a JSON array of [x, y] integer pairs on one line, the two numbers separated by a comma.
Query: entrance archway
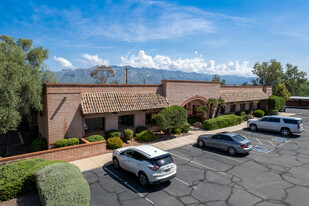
[[192, 103]]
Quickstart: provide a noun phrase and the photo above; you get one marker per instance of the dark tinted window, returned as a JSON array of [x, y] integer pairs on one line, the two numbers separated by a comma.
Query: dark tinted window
[[290, 121], [274, 119], [239, 138], [217, 136], [128, 153], [226, 138], [264, 119], [139, 156], [164, 160]]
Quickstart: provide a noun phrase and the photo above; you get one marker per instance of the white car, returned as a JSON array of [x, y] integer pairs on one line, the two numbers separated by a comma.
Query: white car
[[285, 125], [150, 164]]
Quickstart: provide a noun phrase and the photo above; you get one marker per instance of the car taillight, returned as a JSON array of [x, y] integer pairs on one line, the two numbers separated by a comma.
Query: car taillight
[[154, 167], [243, 146], [298, 126]]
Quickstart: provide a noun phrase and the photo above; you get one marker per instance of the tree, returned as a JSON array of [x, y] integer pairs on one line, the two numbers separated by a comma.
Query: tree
[[21, 74], [102, 74], [254, 103], [282, 91], [245, 84], [269, 73], [216, 78], [211, 105], [202, 110], [172, 117], [221, 104], [302, 90], [293, 78]]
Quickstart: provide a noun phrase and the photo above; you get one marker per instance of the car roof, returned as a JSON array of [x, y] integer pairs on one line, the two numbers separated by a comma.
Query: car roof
[[296, 118], [228, 133], [148, 150]]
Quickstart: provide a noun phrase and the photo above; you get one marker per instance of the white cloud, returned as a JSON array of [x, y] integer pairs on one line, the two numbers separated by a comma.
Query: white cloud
[[94, 60], [197, 64], [63, 62]]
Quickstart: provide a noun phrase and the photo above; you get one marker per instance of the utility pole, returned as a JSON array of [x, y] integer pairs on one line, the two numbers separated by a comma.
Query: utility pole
[[126, 74]]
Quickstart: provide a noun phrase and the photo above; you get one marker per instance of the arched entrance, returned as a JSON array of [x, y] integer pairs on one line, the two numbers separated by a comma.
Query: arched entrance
[[192, 103]]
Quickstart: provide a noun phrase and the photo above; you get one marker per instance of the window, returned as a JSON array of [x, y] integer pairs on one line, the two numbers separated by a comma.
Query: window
[[242, 107], [239, 138], [218, 136], [226, 138], [150, 117], [250, 105], [94, 124], [125, 120], [139, 156], [222, 110], [273, 119], [163, 160], [232, 108], [128, 153], [265, 119], [259, 105]]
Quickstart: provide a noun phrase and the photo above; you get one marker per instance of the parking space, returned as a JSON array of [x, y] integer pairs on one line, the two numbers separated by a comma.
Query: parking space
[[207, 176]]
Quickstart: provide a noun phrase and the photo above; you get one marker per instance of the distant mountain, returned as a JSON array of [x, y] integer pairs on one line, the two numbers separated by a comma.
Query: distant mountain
[[137, 76]]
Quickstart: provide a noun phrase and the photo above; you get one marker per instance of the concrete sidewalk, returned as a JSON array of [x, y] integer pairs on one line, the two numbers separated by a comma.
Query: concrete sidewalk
[[98, 161]]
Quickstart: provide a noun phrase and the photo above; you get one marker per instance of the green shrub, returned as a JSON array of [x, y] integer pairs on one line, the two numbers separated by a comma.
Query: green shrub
[[222, 121], [176, 131], [39, 144], [275, 102], [139, 129], [62, 184], [66, 142], [112, 133], [17, 177], [114, 142], [258, 113], [193, 119], [128, 134], [272, 112], [146, 136], [172, 117], [95, 138], [185, 128], [248, 112], [247, 117]]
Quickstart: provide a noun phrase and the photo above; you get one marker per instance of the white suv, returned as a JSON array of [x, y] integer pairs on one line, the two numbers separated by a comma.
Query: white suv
[[150, 164], [285, 125]]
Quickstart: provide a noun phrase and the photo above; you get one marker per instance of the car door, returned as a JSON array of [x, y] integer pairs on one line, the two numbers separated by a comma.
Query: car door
[[226, 142], [263, 123], [215, 141], [274, 124], [135, 162], [126, 159]]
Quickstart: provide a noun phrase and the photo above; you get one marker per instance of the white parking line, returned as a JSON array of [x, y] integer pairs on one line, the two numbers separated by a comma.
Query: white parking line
[[193, 162], [132, 188], [221, 155], [280, 145], [259, 141], [272, 144], [184, 182]]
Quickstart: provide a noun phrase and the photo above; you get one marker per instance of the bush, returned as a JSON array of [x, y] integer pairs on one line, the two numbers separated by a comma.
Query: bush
[[146, 136], [114, 142], [185, 128], [248, 112], [39, 144], [222, 121], [95, 138], [66, 142], [139, 129], [128, 134], [172, 117], [62, 184], [112, 133], [193, 119], [247, 117], [176, 131], [275, 102], [274, 112], [258, 113], [17, 177]]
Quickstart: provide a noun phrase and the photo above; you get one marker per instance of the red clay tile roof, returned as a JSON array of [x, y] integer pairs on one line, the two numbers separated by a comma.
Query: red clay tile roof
[[106, 102], [242, 95]]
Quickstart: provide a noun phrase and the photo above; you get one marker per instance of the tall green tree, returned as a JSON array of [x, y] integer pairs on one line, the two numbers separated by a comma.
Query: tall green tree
[[221, 104], [302, 90], [216, 78], [202, 110], [211, 105], [293, 78], [21, 74], [282, 91]]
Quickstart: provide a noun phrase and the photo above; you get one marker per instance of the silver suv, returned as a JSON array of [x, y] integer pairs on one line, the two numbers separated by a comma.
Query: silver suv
[[284, 125]]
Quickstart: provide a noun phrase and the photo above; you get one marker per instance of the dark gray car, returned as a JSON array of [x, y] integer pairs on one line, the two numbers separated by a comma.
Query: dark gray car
[[231, 142]]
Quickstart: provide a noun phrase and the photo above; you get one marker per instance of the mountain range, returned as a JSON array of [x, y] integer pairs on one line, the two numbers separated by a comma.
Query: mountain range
[[142, 75]]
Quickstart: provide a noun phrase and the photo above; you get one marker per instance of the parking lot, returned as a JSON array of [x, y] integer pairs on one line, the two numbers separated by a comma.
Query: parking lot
[[274, 173]]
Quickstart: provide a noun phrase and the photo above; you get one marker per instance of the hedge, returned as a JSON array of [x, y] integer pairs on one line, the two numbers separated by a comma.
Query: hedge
[[258, 113], [114, 142], [222, 121], [275, 102], [95, 138], [17, 177], [139, 129], [39, 144], [128, 134], [185, 128], [66, 142], [112, 133], [62, 184], [146, 136]]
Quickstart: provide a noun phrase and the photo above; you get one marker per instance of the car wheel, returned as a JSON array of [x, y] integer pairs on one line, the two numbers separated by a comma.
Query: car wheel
[[116, 163], [285, 131], [143, 179], [253, 127], [232, 151], [201, 143]]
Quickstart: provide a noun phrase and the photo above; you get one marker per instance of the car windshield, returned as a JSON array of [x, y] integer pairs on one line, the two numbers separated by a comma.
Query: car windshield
[[239, 138], [163, 160]]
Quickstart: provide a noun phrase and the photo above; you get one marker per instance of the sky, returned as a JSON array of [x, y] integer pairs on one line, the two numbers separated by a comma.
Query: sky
[[224, 37]]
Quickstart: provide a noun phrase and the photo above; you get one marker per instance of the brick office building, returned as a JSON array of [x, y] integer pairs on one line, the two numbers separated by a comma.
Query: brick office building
[[76, 110]]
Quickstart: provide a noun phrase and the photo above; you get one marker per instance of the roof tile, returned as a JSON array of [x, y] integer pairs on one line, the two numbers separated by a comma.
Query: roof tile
[[242, 95]]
